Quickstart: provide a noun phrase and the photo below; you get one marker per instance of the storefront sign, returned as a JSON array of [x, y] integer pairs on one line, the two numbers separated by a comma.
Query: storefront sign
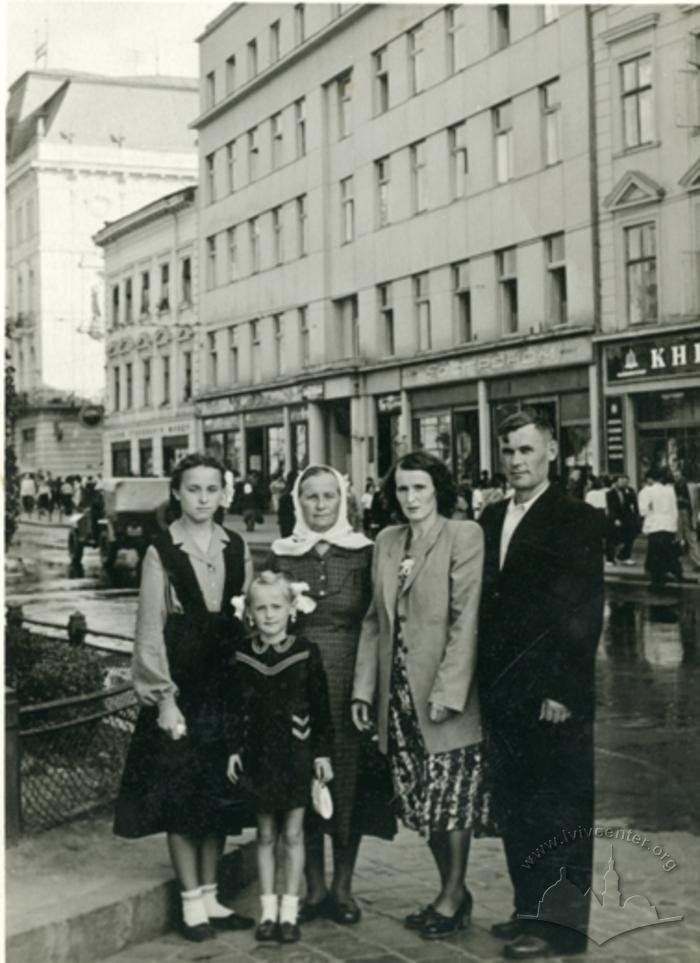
[[388, 403], [91, 415], [660, 356], [272, 398], [548, 354], [614, 436]]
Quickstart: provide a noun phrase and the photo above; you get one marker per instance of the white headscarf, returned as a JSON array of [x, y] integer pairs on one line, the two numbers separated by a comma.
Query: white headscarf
[[304, 538]]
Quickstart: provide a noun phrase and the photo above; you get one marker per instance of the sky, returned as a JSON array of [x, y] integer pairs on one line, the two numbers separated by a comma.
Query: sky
[[107, 36]]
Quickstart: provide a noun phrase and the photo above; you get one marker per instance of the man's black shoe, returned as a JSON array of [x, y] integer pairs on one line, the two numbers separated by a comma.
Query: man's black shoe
[[507, 930]]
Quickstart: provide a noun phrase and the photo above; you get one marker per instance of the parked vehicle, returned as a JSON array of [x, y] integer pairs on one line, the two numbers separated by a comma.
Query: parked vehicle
[[127, 513]]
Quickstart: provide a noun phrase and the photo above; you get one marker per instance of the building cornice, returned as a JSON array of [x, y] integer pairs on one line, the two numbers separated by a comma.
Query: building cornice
[[622, 30], [218, 20], [647, 330], [163, 207]]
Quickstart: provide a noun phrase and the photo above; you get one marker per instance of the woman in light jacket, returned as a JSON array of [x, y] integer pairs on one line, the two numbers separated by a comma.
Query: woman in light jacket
[[416, 664], [659, 511]]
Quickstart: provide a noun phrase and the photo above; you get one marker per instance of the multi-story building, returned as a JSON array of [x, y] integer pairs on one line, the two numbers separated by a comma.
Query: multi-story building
[[647, 154], [81, 149], [150, 258], [396, 232]]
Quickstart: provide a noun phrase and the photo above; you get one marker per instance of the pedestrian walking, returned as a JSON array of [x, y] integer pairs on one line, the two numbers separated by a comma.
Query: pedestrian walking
[[27, 493], [44, 496], [417, 660], [623, 521], [687, 517], [280, 736], [56, 497], [658, 508], [366, 505], [286, 516], [249, 504], [540, 622], [174, 779]]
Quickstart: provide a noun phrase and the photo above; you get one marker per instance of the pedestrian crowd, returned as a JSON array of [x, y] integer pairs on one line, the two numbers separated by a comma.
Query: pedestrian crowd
[[343, 687], [44, 496]]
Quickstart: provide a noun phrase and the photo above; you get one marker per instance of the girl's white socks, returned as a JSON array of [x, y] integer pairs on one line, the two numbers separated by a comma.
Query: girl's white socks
[[289, 908], [193, 910], [269, 904], [214, 909]]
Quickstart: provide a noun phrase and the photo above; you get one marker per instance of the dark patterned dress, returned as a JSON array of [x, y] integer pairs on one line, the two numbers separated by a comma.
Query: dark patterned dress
[[435, 792]]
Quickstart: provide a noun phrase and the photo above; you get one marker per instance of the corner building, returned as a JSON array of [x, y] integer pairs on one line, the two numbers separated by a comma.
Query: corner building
[[395, 233]]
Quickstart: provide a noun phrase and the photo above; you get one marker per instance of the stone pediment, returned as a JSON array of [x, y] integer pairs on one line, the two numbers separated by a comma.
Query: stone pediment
[[632, 189], [691, 179]]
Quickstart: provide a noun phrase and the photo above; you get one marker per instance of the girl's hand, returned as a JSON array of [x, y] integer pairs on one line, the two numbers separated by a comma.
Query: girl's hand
[[438, 713], [234, 768], [323, 768], [172, 721], [361, 715]]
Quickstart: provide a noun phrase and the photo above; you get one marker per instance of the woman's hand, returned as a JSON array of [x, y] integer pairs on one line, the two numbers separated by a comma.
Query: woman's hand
[[361, 715], [234, 768], [323, 769], [438, 713], [172, 721]]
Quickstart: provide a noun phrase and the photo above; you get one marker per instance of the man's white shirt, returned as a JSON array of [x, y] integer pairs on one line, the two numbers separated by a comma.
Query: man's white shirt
[[514, 516]]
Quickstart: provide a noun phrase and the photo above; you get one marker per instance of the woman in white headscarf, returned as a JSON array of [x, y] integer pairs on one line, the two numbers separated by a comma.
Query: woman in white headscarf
[[325, 552]]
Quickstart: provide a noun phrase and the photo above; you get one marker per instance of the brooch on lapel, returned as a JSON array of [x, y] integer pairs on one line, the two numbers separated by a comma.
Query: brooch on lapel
[[406, 567]]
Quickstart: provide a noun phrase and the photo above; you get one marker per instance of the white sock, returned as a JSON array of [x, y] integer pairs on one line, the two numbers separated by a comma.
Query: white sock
[[289, 908], [268, 903], [193, 911], [214, 909]]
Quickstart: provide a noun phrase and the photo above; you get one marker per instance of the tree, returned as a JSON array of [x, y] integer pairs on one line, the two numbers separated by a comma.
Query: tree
[[11, 479]]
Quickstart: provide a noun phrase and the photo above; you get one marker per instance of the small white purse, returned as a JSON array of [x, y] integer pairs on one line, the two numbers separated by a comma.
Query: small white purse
[[321, 798]]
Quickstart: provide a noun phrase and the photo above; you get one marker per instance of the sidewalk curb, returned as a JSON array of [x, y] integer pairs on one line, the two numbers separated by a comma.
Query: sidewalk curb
[[104, 930]]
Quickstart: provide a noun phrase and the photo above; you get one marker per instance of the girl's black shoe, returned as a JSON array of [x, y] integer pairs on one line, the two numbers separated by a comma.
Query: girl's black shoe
[[289, 933], [414, 921], [198, 933], [437, 926], [267, 931], [235, 921]]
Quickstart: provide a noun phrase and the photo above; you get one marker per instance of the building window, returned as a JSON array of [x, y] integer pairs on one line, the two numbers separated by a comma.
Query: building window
[[187, 376], [419, 177], [344, 88], [254, 235], [551, 112], [230, 74], [455, 52], [231, 165], [253, 153], [274, 42], [210, 88], [347, 204], [277, 233], [503, 131], [302, 241], [508, 285], [146, 375], [381, 81], [550, 12], [252, 49], [129, 372], [415, 56], [231, 244], [556, 278], [299, 23], [276, 133], [386, 319], [164, 303], [501, 25], [186, 280], [117, 388], [234, 371], [213, 358], [640, 271], [166, 379], [637, 106], [209, 178], [304, 337], [300, 126], [421, 300], [211, 262], [278, 337], [255, 349], [145, 293], [115, 305], [463, 301], [347, 317], [459, 161], [383, 171], [128, 302]]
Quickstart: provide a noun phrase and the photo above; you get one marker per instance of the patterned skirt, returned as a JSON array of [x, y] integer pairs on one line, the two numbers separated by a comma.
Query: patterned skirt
[[434, 792]]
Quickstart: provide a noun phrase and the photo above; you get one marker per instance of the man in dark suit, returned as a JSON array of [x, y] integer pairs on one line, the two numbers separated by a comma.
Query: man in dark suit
[[540, 622], [622, 521]]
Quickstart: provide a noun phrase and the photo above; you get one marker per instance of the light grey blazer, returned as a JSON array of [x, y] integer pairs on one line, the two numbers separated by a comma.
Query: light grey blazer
[[438, 608]]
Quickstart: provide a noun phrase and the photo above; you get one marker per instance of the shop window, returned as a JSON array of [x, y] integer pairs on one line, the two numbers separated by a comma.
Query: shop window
[[187, 376], [461, 282], [508, 290], [234, 369], [637, 102], [419, 177], [347, 209], [300, 446], [421, 296], [381, 80], [146, 458], [145, 293], [383, 174], [500, 14], [300, 124], [416, 58], [433, 433], [551, 121], [275, 452], [344, 95], [556, 280], [252, 50], [386, 318], [640, 273], [465, 425], [146, 382], [121, 459], [503, 134], [230, 74], [231, 165]]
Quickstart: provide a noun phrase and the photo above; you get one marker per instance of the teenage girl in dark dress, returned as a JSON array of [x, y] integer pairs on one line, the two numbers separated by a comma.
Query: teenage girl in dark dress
[[174, 778]]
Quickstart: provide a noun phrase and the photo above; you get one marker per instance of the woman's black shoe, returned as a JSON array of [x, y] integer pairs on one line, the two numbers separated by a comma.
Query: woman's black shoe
[[308, 912], [414, 921], [437, 926], [198, 933], [267, 931], [346, 913], [289, 933], [233, 922]]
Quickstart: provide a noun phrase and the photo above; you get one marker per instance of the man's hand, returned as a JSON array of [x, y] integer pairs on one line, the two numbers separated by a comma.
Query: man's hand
[[234, 768], [171, 720], [438, 713], [361, 715], [551, 711], [323, 769]]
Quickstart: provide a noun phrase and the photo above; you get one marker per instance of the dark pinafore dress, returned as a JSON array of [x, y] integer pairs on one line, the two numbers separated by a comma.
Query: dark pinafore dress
[[180, 786]]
